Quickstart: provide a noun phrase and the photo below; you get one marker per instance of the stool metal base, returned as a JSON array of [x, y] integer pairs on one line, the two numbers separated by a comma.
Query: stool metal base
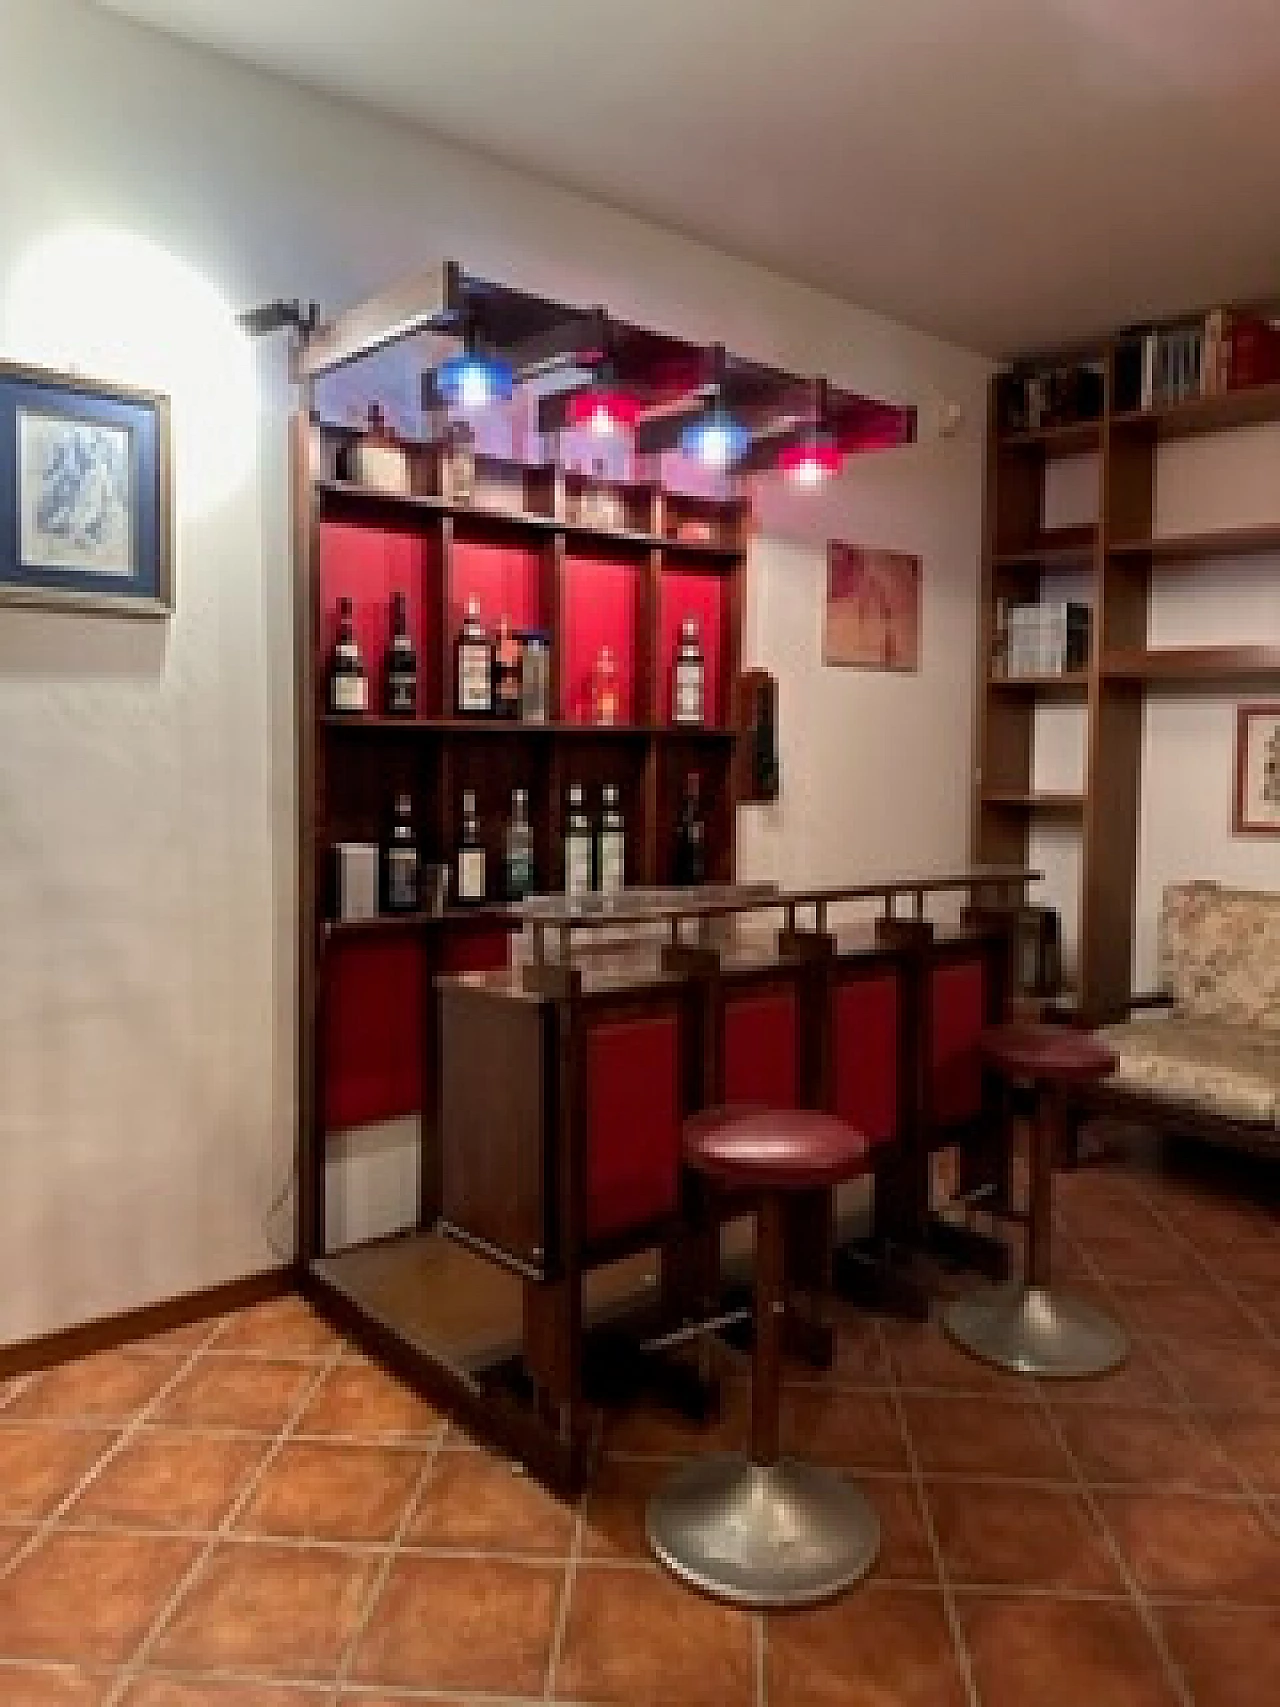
[[784, 1534], [1035, 1331]]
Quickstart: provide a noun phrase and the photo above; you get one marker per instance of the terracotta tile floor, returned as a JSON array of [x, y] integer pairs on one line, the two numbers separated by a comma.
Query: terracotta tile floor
[[247, 1514]]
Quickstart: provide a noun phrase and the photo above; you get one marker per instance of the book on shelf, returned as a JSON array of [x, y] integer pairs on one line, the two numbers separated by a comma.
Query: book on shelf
[[1225, 350], [1049, 637], [1050, 397]]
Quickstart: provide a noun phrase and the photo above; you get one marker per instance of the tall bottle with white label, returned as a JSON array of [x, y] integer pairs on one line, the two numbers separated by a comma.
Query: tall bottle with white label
[[473, 666], [688, 696], [400, 861], [611, 843], [517, 852], [578, 848], [469, 879], [347, 687]]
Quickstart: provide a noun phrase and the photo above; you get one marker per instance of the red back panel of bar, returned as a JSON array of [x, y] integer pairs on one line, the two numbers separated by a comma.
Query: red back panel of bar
[[760, 1055], [367, 565], [482, 947], [957, 999], [633, 1123], [372, 1036], [504, 578], [683, 593], [600, 607], [866, 1038]]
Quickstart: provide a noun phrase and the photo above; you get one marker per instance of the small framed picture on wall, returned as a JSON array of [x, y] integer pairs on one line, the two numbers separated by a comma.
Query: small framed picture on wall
[[85, 500], [1257, 810], [872, 613]]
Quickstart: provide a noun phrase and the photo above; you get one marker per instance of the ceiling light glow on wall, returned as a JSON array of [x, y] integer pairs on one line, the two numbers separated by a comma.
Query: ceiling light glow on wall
[[471, 380], [812, 461], [605, 410], [715, 440]]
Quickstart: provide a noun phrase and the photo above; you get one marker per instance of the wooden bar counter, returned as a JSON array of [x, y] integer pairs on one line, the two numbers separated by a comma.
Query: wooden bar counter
[[565, 1222]]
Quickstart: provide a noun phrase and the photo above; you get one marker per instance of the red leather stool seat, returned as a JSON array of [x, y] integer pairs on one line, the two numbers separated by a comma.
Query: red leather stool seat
[[774, 1149], [1045, 1054]]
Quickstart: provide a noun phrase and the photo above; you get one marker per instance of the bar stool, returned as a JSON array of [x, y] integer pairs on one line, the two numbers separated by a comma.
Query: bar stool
[[1029, 1327], [767, 1531]]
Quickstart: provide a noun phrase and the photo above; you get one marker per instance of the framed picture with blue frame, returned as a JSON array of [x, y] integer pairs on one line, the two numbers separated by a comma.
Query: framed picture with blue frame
[[86, 502]]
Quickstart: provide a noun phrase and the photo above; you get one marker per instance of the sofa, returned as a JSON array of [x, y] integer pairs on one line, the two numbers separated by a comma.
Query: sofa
[[1203, 1055]]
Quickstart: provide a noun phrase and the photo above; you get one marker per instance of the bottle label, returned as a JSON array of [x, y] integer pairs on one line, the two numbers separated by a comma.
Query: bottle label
[[577, 865], [402, 693], [402, 880], [474, 684], [688, 694], [349, 692], [471, 874], [613, 861]]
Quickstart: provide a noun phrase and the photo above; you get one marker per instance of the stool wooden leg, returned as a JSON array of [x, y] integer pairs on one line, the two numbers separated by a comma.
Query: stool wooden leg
[[766, 1370], [1042, 1142]]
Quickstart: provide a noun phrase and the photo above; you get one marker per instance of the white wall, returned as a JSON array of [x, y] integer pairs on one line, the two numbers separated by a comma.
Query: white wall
[[146, 787]]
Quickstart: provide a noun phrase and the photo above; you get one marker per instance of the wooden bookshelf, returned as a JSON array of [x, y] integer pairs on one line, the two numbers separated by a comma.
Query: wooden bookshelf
[[1116, 561]]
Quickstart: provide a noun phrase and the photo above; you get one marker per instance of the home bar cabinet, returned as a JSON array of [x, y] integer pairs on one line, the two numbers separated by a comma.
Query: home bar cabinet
[[545, 1058]]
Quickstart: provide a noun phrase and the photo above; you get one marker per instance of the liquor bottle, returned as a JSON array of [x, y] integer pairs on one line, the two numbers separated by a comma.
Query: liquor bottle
[[517, 852], [604, 688], [400, 861], [469, 886], [611, 844], [400, 673], [473, 666], [688, 698], [691, 835], [506, 672], [347, 692], [459, 468], [577, 846]]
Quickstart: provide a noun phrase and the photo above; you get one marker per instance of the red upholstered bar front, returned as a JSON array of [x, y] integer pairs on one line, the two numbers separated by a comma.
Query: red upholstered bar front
[[372, 1035], [633, 1123], [867, 1035], [957, 1005], [760, 1049]]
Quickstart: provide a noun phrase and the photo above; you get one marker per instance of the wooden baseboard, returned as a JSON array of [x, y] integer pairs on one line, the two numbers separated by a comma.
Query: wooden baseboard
[[109, 1332]]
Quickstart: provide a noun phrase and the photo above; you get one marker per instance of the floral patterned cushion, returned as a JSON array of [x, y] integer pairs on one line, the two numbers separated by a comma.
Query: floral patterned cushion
[[1220, 953], [1229, 1070]]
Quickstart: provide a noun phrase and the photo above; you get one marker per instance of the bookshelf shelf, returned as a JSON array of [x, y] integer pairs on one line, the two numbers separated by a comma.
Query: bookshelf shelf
[[1066, 684], [1060, 548], [1247, 407], [1034, 800], [1203, 665], [1075, 438], [1188, 548]]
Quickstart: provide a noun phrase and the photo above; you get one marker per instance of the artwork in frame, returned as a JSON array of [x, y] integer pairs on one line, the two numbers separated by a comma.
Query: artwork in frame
[[85, 494], [872, 618], [1257, 770]]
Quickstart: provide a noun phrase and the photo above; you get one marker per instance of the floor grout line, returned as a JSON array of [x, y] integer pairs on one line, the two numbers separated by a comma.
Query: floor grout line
[[223, 1532], [125, 1433], [382, 1575], [567, 1585], [949, 1607]]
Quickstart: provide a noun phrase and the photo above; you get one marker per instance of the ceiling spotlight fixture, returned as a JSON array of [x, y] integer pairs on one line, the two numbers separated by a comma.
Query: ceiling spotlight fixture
[[715, 439], [471, 379], [604, 409], [811, 460]]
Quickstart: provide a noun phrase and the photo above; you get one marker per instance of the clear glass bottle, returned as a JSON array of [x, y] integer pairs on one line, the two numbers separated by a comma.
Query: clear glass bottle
[[611, 843], [688, 697], [604, 688], [400, 887], [469, 883], [577, 846], [517, 858], [347, 687], [691, 835], [400, 671], [473, 666]]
